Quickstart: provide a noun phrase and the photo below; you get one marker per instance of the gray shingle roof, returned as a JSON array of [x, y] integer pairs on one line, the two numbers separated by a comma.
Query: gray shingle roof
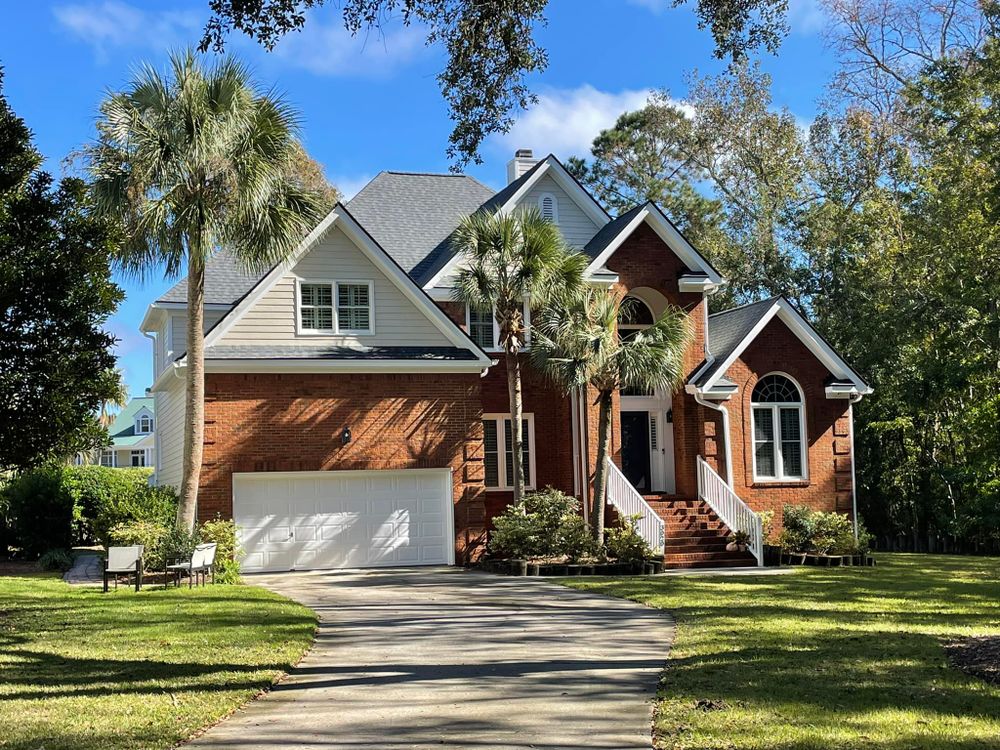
[[225, 282], [443, 353], [727, 329], [412, 216], [609, 231]]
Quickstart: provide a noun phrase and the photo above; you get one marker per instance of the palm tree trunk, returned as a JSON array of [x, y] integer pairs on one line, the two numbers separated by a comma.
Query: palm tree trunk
[[194, 406], [601, 475], [516, 416]]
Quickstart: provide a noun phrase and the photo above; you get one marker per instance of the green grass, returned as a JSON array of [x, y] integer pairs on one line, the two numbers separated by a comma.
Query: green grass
[[80, 669], [825, 658]]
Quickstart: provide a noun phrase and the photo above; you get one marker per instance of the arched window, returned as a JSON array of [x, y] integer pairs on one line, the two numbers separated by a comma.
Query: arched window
[[778, 426], [144, 424], [549, 207], [633, 316]]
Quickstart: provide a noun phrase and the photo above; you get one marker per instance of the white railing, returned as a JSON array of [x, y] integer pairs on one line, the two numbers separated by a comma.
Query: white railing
[[730, 509], [628, 502]]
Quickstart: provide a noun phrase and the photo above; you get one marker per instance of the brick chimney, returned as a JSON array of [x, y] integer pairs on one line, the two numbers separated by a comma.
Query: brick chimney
[[523, 160]]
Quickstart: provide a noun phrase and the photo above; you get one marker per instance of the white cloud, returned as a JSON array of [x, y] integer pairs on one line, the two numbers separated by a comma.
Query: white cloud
[[565, 121], [806, 16], [350, 185], [111, 23], [328, 49]]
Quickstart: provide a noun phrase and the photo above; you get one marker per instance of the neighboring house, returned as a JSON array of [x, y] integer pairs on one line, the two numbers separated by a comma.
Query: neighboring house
[[356, 416], [132, 436]]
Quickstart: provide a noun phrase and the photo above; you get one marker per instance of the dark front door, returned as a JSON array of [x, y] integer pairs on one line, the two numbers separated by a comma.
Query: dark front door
[[635, 449]]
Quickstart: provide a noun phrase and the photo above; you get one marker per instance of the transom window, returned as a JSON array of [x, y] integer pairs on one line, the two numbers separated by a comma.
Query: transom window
[[778, 427], [499, 456], [144, 424], [337, 307]]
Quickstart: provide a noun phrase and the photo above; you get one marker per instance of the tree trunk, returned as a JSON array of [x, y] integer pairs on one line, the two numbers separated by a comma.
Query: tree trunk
[[516, 416], [194, 406], [601, 474]]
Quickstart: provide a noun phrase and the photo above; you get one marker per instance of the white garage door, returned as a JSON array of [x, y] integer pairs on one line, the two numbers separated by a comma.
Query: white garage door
[[344, 519]]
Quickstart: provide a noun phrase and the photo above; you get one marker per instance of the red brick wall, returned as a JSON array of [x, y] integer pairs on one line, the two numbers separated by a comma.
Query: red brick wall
[[828, 486], [644, 260], [283, 422]]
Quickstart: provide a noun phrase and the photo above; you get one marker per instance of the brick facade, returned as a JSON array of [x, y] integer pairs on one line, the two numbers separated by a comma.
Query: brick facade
[[284, 422]]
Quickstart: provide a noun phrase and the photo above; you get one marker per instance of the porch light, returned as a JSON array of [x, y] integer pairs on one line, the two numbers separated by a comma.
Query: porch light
[[345, 436]]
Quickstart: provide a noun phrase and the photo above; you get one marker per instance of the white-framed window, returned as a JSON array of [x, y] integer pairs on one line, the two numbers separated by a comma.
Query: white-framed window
[[634, 315], [143, 424], [548, 206], [485, 331], [336, 307], [108, 458], [778, 428], [498, 448], [138, 458]]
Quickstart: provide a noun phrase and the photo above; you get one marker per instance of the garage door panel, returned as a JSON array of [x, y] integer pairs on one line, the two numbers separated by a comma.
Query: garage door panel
[[343, 519]]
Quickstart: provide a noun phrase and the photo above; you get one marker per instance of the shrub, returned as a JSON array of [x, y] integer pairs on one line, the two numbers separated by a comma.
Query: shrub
[[546, 524], [227, 554], [109, 497], [767, 524], [797, 528], [150, 534], [809, 530], [43, 513], [625, 543], [56, 559]]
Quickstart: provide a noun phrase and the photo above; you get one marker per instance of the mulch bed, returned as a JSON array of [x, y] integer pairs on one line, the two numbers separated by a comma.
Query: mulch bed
[[978, 656], [17, 567]]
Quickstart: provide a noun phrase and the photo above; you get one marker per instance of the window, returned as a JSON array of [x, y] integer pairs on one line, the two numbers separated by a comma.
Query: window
[[634, 315], [485, 331], [481, 328], [107, 457], [316, 307], [500, 462], [778, 428], [336, 307], [144, 424], [138, 458], [354, 307], [549, 207]]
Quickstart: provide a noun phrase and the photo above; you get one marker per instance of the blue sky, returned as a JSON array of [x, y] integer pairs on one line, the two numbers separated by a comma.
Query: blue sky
[[373, 104]]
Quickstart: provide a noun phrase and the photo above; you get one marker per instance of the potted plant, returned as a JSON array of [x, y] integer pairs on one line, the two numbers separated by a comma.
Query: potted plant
[[738, 542]]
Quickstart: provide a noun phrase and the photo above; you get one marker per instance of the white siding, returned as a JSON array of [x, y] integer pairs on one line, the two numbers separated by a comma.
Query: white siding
[[577, 228], [169, 434], [397, 321]]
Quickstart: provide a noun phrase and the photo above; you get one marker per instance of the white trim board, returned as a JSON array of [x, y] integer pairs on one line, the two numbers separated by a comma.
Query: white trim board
[[379, 259], [783, 310], [673, 239]]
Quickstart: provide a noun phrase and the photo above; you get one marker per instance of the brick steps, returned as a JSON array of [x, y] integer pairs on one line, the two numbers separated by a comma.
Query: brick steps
[[695, 537]]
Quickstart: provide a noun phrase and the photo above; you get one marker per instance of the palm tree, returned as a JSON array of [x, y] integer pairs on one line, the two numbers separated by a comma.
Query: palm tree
[[577, 345], [514, 259], [189, 161]]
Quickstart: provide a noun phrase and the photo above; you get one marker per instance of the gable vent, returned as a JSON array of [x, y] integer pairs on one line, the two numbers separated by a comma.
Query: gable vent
[[549, 207]]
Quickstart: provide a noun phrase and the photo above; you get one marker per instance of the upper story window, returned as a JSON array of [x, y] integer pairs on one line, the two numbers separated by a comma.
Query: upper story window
[[549, 207], [485, 331], [778, 428], [633, 316], [143, 424], [336, 307]]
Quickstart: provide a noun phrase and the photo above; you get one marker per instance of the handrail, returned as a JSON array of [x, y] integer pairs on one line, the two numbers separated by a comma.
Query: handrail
[[628, 502], [730, 509]]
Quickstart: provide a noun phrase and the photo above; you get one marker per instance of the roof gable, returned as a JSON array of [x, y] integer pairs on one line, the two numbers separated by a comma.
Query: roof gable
[[123, 424]]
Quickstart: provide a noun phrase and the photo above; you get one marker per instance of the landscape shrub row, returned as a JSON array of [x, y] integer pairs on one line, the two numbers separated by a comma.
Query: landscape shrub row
[[816, 532], [58, 507], [164, 543]]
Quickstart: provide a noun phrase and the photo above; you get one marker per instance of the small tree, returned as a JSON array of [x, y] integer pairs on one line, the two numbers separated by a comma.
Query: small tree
[[190, 162], [576, 344], [514, 260]]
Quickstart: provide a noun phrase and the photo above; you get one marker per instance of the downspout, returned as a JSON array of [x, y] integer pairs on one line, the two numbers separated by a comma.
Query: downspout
[[854, 477], [725, 429]]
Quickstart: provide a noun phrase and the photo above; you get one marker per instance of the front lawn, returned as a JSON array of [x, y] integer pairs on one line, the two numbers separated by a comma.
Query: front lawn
[[80, 669], [825, 658]]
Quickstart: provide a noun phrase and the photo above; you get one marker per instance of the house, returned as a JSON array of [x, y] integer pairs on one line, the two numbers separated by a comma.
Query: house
[[132, 435], [356, 416]]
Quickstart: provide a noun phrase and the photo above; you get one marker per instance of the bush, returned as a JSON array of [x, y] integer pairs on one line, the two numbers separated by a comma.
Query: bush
[[767, 525], [546, 524], [227, 554], [833, 532], [56, 559], [797, 529], [149, 534], [807, 530], [624, 542], [43, 513], [109, 497]]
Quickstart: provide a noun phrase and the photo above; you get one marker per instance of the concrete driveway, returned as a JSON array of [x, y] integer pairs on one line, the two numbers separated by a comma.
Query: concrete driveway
[[441, 657]]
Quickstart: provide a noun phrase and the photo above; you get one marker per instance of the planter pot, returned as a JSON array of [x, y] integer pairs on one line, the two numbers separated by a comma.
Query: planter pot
[[573, 570], [519, 567], [731, 547], [657, 566], [558, 570], [647, 568], [605, 569], [586, 570], [772, 555], [533, 569]]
